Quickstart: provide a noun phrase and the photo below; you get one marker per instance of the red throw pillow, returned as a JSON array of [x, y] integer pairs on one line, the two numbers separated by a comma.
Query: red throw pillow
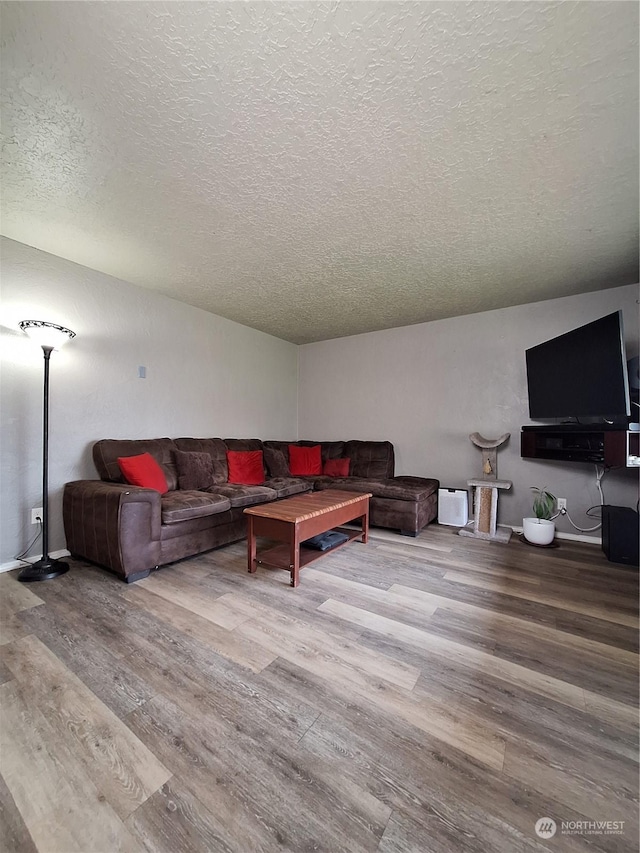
[[304, 460], [143, 470], [336, 467], [245, 467]]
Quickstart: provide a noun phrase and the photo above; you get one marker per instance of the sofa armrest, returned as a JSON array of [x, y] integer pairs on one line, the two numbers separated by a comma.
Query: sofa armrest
[[113, 524]]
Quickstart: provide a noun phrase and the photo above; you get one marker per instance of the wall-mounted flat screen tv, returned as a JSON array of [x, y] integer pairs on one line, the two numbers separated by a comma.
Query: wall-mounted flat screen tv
[[581, 374]]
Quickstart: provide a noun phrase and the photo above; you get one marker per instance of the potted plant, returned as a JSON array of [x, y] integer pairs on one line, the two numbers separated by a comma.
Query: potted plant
[[540, 529]]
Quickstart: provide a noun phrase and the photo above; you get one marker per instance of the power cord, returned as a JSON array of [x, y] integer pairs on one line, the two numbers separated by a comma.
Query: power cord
[[24, 553], [599, 476]]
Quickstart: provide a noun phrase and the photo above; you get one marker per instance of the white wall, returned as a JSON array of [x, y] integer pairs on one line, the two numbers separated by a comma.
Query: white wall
[[206, 376], [427, 387]]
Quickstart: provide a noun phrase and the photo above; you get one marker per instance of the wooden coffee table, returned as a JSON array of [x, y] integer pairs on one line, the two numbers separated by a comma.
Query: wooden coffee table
[[295, 519]]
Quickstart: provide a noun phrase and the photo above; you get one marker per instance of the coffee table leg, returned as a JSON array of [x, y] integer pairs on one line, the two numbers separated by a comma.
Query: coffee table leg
[[251, 547], [365, 525], [294, 557]]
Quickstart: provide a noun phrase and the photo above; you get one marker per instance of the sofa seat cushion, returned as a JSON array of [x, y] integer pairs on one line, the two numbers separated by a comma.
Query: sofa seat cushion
[[285, 486], [424, 486], [240, 495], [395, 488], [184, 505]]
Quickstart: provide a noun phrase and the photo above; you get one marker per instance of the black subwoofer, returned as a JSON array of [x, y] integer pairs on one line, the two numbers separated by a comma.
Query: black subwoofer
[[620, 534]]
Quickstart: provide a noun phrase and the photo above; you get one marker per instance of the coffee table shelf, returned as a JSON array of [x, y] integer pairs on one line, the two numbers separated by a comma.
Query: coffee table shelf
[[278, 555], [293, 520]]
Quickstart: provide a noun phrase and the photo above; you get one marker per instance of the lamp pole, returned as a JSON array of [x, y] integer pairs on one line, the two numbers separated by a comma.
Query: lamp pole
[[48, 335], [46, 560]]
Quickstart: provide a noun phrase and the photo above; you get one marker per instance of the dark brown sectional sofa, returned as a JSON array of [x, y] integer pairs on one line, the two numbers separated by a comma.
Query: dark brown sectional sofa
[[131, 530]]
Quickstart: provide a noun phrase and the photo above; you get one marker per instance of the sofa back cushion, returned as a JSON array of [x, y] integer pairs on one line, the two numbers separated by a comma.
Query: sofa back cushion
[[143, 471], [276, 454], [217, 450], [107, 451], [305, 461], [195, 470], [244, 444], [276, 458], [246, 467], [336, 467], [374, 459], [328, 449]]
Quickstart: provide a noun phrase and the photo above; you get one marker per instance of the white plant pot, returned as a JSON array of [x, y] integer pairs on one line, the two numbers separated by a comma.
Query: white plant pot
[[538, 531]]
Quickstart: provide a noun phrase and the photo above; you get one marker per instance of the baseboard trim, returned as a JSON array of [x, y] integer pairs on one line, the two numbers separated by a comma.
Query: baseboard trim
[[18, 564]]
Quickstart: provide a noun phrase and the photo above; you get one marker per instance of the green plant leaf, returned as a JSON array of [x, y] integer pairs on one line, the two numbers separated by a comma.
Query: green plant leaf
[[544, 503]]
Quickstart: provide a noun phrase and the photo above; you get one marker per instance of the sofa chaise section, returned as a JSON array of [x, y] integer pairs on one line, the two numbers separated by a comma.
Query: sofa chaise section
[[401, 503]]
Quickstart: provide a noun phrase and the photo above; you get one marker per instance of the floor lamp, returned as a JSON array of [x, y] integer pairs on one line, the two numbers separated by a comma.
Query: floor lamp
[[50, 336]]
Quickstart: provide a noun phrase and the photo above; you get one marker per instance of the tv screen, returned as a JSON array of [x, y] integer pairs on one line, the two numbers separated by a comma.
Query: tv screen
[[581, 374]]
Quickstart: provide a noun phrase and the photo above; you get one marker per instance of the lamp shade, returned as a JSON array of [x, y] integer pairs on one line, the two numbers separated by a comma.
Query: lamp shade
[[47, 334]]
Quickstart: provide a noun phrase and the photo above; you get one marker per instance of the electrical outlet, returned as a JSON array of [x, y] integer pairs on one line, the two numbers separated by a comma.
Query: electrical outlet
[[36, 515], [561, 504]]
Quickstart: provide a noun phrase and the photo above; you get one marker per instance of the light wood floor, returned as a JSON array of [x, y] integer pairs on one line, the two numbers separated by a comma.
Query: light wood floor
[[438, 694]]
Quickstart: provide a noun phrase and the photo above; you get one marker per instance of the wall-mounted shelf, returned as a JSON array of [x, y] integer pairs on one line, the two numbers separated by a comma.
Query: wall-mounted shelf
[[614, 448]]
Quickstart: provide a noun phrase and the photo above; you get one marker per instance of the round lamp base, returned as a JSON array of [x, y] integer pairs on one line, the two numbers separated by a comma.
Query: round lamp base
[[43, 570]]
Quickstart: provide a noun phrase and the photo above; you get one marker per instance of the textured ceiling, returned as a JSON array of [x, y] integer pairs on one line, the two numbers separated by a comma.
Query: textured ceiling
[[322, 169]]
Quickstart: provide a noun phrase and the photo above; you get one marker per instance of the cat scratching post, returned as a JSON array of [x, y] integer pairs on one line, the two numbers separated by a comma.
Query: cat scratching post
[[486, 490]]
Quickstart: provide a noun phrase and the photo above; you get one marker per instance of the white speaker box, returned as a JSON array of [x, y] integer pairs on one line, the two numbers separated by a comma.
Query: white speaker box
[[453, 507]]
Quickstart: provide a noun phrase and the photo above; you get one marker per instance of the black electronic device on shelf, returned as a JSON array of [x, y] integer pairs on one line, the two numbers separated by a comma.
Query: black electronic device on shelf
[[612, 447]]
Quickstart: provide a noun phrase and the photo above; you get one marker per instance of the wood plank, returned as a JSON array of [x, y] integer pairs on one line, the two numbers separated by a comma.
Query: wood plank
[[461, 655], [605, 612], [174, 819], [311, 642], [449, 797], [356, 672], [11, 626], [16, 596], [206, 632], [573, 781], [595, 674], [520, 714], [220, 766], [623, 637], [501, 622], [335, 585], [618, 713], [120, 766], [190, 597], [106, 674], [62, 808], [379, 535], [14, 834], [462, 565]]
